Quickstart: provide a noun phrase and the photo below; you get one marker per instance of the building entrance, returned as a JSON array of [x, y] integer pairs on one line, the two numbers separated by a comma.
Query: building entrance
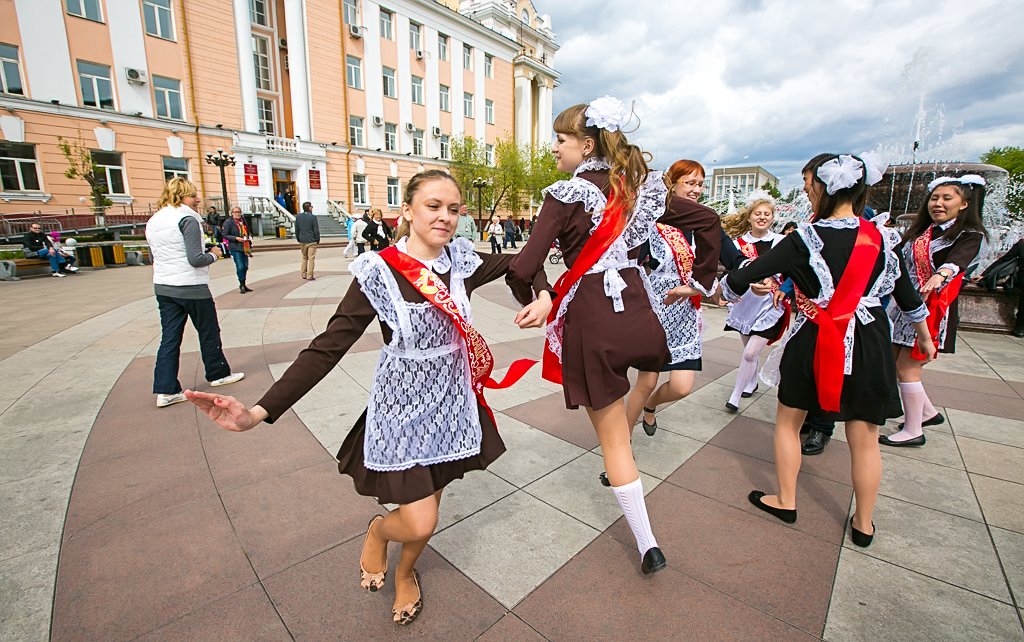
[[285, 186]]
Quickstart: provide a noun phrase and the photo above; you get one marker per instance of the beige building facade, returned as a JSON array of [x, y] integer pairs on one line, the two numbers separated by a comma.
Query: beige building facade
[[740, 181]]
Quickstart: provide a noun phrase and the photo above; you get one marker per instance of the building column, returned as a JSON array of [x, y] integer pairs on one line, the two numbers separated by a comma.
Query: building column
[[545, 117], [523, 109], [298, 69], [246, 66]]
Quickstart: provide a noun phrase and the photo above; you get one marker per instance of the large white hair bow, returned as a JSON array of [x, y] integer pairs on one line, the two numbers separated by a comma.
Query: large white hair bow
[[874, 167], [759, 195], [840, 173], [966, 179], [607, 113]]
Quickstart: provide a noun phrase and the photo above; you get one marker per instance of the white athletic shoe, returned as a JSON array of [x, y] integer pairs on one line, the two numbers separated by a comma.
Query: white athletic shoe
[[163, 401], [58, 274], [72, 268], [231, 378]]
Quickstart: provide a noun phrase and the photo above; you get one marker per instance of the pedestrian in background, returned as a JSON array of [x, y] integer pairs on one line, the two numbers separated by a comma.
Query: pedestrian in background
[[495, 231], [357, 232], [307, 232], [467, 226], [377, 232], [239, 242], [510, 233], [350, 223]]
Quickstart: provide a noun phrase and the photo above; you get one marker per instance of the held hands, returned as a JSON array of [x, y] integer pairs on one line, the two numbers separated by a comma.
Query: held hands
[[227, 412], [933, 283], [679, 293], [535, 314], [762, 287]]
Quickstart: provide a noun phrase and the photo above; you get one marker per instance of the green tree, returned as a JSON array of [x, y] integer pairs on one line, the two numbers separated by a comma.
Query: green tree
[[81, 166], [771, 189], [1012, 160]]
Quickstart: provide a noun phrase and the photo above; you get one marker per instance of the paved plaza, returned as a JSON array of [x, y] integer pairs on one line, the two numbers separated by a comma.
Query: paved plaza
[[121, 521]]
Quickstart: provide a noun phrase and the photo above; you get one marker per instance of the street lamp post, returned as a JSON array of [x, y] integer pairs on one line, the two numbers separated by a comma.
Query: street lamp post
[[480, 184], [222, 160]]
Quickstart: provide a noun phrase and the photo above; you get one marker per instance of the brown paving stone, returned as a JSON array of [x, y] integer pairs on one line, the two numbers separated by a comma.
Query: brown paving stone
[[245, 616], [550, 415], [1018, 387], [710, 370], [601, 595], [502, 298], [968, 383], [511, 629], [121, 582], [320, 599], [979, 402], [283, 352], [822, 504], [720, 356], [775, 569], [284, 520]]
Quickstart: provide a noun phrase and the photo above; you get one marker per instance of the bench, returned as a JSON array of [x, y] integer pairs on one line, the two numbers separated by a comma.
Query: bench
[[9, 268]]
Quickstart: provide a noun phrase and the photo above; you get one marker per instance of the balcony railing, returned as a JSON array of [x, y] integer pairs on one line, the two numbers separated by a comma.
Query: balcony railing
[[278, 144]]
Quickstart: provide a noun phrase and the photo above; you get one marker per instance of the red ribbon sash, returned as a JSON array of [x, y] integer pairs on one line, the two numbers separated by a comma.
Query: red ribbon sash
[[433, 289], [829, 352], [938, 300], [682, 253], [609, 229]]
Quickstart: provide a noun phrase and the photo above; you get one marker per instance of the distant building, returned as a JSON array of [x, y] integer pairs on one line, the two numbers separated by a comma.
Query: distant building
[[739, 180]]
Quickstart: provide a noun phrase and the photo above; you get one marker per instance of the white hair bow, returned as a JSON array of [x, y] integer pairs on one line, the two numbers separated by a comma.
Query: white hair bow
[[607, 113], [966, 179], [840, 173], [874, 167], [759, 195]]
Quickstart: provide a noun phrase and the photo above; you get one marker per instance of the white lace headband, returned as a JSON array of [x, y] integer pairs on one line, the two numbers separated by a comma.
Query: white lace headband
[[607, 113], [844, 171], [966, 179]]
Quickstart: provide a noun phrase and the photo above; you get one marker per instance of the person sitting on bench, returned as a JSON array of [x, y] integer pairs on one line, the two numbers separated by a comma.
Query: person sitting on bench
[[39, 245]]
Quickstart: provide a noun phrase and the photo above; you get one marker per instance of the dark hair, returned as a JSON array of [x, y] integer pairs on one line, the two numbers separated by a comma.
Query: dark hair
[[968, 220], [856, 195], [413, 185], [306, 205], [791, 225]]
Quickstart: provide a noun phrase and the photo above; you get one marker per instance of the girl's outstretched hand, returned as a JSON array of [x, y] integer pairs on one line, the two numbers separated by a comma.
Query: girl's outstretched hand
[[535, 314], [226, 411], [679, 293]]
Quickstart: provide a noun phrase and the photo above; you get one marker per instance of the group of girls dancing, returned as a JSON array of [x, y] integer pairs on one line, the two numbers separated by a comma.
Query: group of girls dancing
[[607, 314]]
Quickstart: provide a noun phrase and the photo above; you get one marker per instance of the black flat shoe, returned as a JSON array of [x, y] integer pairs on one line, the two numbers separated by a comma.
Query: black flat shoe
[[861, 539], [786, 515], [937, 420], [916, 441], [649, 428], [603, 478], [731, 408], [815, 444], [653, 562], [745, 395]]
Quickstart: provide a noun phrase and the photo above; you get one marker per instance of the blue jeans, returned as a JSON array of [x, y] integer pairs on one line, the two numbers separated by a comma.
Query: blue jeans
[[820, 424], [241, 264], [173, 312], [509, 238], [56, 260]]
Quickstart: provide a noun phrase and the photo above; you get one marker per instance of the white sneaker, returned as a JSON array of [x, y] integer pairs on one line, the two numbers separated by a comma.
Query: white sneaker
[[163, 401], [231, 378], [72, 268], [58, 274]]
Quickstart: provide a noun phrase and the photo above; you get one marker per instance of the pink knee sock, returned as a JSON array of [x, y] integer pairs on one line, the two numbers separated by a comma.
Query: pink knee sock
[[914, 397]]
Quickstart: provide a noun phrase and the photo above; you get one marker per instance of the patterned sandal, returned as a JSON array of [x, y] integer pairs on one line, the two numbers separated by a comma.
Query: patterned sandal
[[408, 613], [372, 582]]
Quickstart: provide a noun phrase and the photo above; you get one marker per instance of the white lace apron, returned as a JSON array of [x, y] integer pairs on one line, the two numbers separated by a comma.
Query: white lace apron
[[422, 409], [755, 313], [682, 321]]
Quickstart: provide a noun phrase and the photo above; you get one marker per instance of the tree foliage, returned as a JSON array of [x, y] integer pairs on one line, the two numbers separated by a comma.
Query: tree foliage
[[1012, 160], [771, 189], [82, 167]]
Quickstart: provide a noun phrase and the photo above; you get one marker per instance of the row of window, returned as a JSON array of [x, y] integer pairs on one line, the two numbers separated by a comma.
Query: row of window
[[354, 77], [156, 14], [356, 127], [360, 191]]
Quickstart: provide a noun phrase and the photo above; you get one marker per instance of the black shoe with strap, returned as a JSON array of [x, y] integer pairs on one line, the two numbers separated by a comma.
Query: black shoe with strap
[[937, 420], [815, 443], [649, 428]]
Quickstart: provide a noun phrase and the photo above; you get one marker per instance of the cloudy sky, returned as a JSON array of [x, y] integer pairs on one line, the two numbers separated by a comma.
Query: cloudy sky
[[782, 80]]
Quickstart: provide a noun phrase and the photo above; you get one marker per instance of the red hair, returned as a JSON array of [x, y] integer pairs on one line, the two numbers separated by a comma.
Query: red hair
[[681, 168]]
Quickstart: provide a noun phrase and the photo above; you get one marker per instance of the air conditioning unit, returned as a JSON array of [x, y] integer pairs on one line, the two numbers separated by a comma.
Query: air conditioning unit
[[435, 132], [378, 121], [419, 54], [355, 31], [409, 127], [283, 43], [136, 76]]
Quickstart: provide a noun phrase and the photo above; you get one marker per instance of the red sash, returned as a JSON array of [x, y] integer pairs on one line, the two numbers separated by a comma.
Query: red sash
[[939, 300], [609, 229], [829, 352], [433, 289], [749, 250], [682, 253]]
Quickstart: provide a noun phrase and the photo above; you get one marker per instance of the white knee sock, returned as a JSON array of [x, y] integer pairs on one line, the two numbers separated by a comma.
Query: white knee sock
[[746, 377], [929, 410], [631, 500], [913, 397]]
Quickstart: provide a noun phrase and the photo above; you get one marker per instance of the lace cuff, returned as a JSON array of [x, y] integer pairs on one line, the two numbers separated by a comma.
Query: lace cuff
[[920, 313], [695, 284], [727, 293]]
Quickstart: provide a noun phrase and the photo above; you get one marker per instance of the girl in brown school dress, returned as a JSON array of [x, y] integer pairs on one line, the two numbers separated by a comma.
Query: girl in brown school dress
[[413, 439], [603, 323]]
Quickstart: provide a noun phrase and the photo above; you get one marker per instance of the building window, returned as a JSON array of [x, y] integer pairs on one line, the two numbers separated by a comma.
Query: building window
[[175, 168], [351, 15], [467, 105], [10, 71], [445, 101], [489, 151], [265, 108], [390, 86], [394, 191], [168, 98], [359, 189], [414, 36], [387, 21], [258, 12], [157, 16], [89, 9], [417, 142], [489, 112], [390, 137], [467, 57], [442, 47], [417, 90], [446, 147], [355, 130], [354, 72], [97, 90], [261, 60], [111, 170], [489, 66], [19, 171]]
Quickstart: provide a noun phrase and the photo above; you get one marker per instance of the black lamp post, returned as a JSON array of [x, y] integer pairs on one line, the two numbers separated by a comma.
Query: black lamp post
[[222, 160], [480, 184]]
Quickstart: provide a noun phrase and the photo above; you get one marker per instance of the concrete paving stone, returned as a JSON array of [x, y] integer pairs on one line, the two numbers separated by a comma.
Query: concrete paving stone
[[332, 424], [979, 402], [550, 415], [659, 456], [1010, 546], [714, 395], [875, 600], [622, 604], [764, 408], [967, 382], [275, 353], [360, 366], [245, 616], [26, 595], [929, 485], [1000, 501], [510, 547], [575, 490], [942, 546], [999, 430], [33, 512], [464, 497], [245, 327], [320, 599], [335, 388], [313, 289], [530, 345], [511, 629], [964, 362], [520, 393], [530, 453], [940, 447], [993, 460], [693, 420]]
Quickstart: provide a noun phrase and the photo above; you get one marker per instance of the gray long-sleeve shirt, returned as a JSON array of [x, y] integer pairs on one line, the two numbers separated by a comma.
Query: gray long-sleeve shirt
[[197, 257]]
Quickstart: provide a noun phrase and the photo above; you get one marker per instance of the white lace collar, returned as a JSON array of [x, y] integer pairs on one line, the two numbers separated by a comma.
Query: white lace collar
[[948, 224], [750, 238], [845, 223], [440, 265], [592, 163]]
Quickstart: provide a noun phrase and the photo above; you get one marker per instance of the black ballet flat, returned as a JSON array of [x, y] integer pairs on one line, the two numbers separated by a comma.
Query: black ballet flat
[[786, 515], [937, 420], [746, 395], [603, 478], [731, 408], [916, 441], [649, 428], [653, 562], [861, 539]]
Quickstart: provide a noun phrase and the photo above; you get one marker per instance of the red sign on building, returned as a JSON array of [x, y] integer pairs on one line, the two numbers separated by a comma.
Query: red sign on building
[[314, 179], [252, 174]]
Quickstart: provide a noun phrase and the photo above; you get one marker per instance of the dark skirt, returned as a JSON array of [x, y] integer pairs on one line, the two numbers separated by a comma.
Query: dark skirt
[[600, 345], [773, 333], [688, 364], [416, 483]]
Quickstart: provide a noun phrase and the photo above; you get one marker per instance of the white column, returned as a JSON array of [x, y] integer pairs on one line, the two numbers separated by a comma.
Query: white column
[[523, 109], [479, 108], [403, 76], [373, 71], [246, 66], [128, 45], [298, 68], [46, 55], [457, 89], [545, 117]]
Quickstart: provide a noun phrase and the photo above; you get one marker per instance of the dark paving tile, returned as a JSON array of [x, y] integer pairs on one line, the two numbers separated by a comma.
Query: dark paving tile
[[756, 438], [248, 391], [550, 415], [504, 355], [245, 616], [283, 352], [711, 370], [612, 600], [511, 629], [320, 599], [720, 356], [284, 520], [775, 569], [730, 341], [1018, 387], [980, 402], [502, 298], [121, 582], [823, 505], [968, 383]]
